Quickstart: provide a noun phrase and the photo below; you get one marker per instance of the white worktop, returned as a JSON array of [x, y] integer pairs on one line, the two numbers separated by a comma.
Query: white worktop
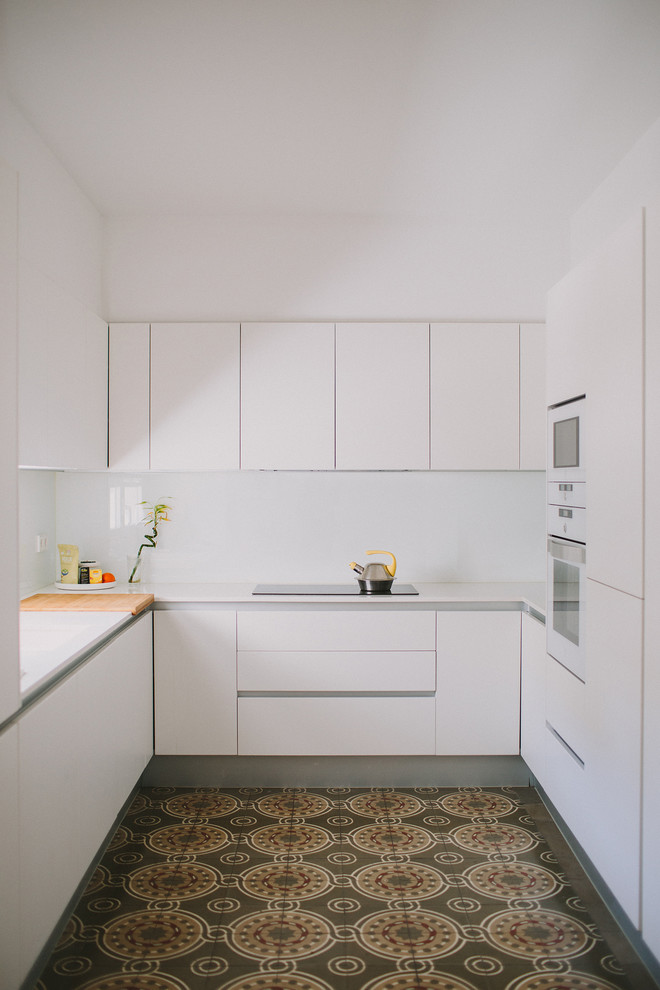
[[51, 642], [528, 592]]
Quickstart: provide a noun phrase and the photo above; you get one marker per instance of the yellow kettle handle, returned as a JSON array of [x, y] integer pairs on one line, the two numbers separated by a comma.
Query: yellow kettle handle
[[390, 568]]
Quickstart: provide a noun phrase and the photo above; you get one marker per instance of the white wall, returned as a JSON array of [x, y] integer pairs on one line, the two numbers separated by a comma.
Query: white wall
[[59, 230], [307, 526], [36, 516], [329, 268], [633, 183]]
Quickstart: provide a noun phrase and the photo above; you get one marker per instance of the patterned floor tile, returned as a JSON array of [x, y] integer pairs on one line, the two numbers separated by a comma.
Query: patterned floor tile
[[330, 889]]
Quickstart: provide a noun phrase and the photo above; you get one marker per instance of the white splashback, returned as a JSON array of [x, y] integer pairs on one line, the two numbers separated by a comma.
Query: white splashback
[[306, 526]]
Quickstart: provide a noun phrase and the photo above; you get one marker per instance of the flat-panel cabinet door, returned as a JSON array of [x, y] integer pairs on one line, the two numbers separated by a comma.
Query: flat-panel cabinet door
[[128, 397], [9, 667], [474, 396], [195, 682], [382, 396], [613, 750], [287, 396], [533, 414], [336, 726], [478, 683], [194, 396], [63, 379], [615, 411], [532, 695]]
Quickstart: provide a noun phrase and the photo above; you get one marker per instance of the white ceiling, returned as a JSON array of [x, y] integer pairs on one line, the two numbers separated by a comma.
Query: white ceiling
[[477, 108]]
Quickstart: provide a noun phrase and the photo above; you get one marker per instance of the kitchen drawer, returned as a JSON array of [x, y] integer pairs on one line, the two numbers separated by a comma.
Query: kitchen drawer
[[304, 726], [340, 630], [565, 705], [567, 785], [401, 670]]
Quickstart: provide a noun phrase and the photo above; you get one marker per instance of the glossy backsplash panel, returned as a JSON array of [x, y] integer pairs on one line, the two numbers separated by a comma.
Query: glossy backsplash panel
[[293, 527]]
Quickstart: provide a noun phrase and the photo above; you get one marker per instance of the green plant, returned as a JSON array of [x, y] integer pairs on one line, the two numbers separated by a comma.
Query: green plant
[[156, 514]]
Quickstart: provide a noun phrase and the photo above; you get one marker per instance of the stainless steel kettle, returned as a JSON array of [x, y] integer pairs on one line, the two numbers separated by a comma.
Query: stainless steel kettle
[[375, 578]]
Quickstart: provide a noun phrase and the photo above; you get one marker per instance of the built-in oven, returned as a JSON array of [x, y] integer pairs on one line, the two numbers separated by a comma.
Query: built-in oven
[[567, 535], [566, 604]]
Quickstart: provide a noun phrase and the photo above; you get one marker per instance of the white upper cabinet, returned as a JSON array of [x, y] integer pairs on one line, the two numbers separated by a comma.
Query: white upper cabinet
[[287, 395], [474, 396], [194, 396], [615, 412], [382, 396], [568, 317], [533, 418], [128, 398], [63, 378]]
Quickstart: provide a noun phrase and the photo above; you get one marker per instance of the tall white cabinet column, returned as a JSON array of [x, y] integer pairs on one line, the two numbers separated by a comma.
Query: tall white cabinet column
[[9, 669], [651, 672]]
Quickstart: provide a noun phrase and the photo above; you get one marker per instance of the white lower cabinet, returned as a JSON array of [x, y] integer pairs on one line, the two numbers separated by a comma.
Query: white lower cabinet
[[532, 694], [336, 726], [478, 692], [195, 682], [82, 749], [336, 683], [593, 766], [613, 752]]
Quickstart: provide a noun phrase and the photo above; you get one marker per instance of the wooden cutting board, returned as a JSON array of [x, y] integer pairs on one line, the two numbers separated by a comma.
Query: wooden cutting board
[[87, 602]]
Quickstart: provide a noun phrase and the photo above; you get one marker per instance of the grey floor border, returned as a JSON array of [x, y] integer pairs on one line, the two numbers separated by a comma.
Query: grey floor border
[[335, 771]]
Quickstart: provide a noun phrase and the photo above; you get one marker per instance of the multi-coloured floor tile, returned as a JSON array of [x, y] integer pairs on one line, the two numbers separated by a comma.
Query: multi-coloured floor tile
[[330, 889]]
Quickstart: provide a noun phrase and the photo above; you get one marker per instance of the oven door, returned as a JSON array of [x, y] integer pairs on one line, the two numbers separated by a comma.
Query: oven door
[[566, 604]]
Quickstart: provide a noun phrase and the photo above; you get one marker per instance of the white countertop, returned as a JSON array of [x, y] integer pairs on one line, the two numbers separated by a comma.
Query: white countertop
[[52, 641], [530, 593]]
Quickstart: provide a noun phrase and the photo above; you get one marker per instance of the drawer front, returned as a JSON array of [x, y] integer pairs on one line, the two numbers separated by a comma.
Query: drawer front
[[336, 726], [565, 705], [335, 671], [309, 630]]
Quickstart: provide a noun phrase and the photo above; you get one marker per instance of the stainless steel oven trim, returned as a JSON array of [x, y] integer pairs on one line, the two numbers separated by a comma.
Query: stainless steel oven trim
[[572, 553]]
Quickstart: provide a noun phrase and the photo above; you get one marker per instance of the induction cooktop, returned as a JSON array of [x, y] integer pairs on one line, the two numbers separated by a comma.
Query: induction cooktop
[[331, 589]]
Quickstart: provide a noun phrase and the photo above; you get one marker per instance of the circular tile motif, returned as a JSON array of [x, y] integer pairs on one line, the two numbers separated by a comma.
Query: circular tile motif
[[532, 934], [281, 934], [289, 804], [387, 804], [493, 838], [294, 880], [384, 839], [512, 880], [152, 935], [201, 804], [471, 804], [188, 839], [127, 981], [419, 981], [568, 981], [387, 881], [275, 839], [284, 981], [173, 881], [397, 934]]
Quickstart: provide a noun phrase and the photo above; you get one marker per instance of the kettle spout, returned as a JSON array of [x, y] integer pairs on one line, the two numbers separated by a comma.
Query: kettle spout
[[356, 567]]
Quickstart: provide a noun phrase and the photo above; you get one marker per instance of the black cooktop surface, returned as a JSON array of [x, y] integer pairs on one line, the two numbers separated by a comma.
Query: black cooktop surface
[[331, 589]]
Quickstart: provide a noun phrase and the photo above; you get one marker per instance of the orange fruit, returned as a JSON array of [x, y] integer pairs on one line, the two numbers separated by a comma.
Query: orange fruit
[[107, 577]]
